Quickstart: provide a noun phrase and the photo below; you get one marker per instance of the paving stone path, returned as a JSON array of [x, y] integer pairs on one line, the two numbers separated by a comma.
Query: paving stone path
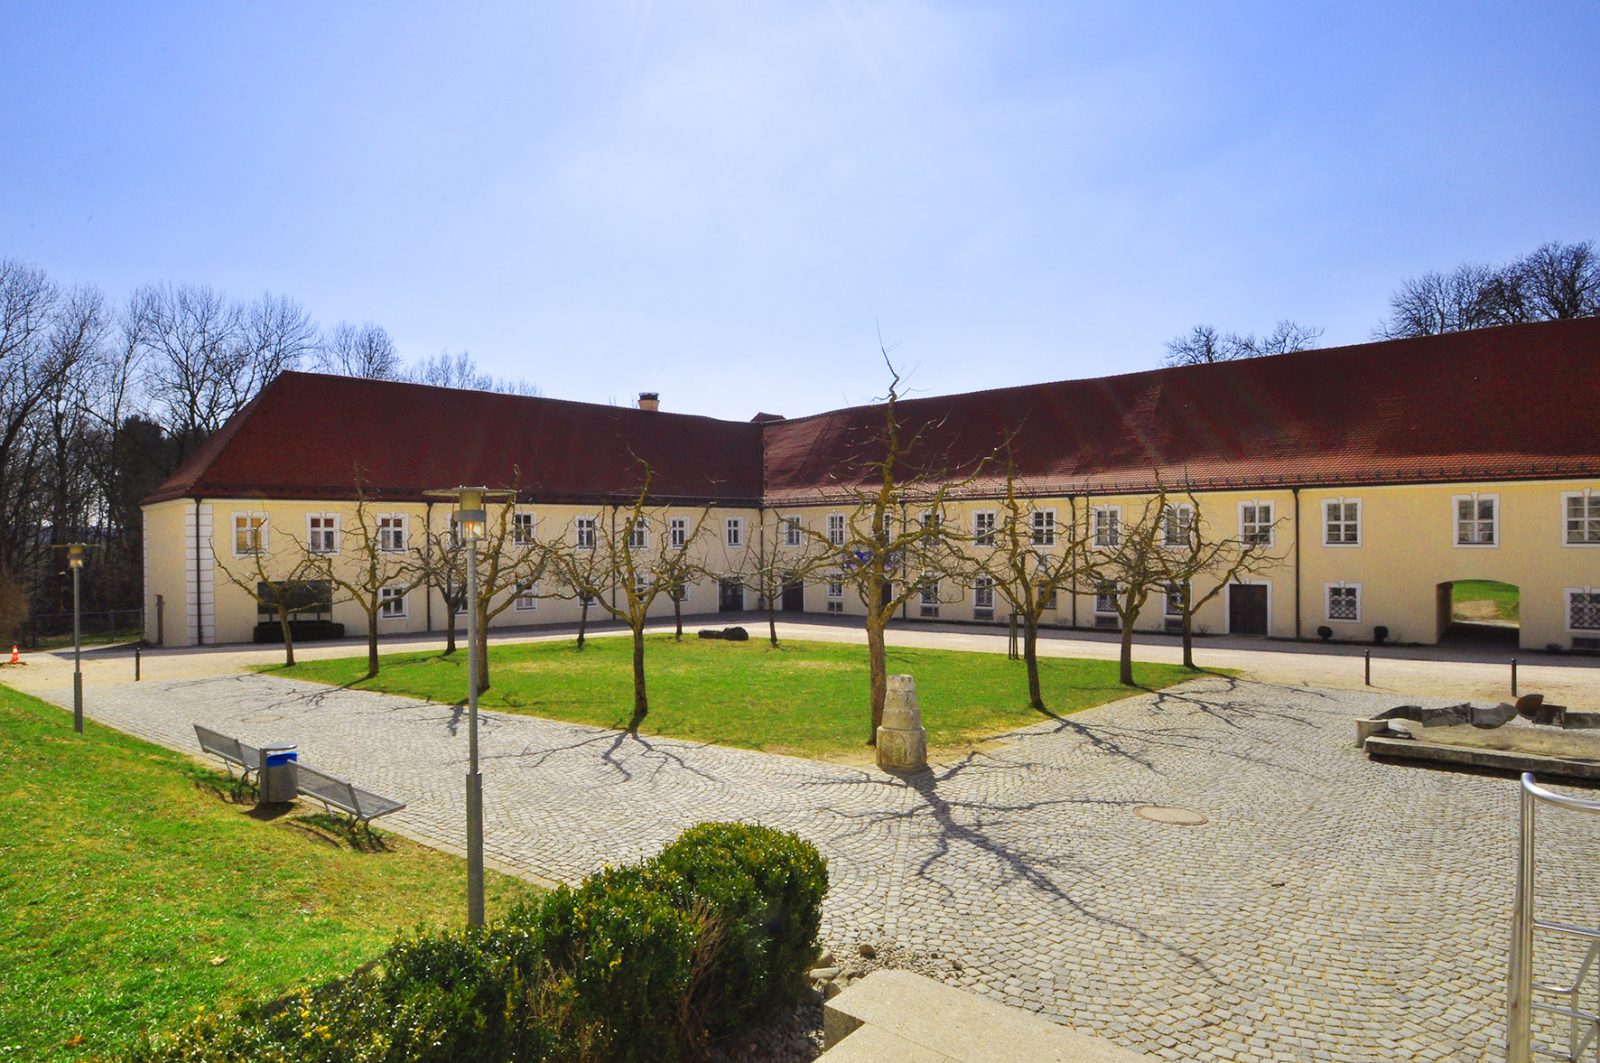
[[1330, 908]]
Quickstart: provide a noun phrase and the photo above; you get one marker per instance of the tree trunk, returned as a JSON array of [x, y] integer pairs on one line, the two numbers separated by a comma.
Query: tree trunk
[[1188, 642], [288, 640], [880, 669], [372, 644], [450, 625], [1125, 675], [677, 617], [772, 624], [641, 701], [1030, 655]]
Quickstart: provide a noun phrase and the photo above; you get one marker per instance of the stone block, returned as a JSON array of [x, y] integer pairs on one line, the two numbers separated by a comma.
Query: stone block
[[1365, 729], [1528, 704], [1493, 716], [902, 742]]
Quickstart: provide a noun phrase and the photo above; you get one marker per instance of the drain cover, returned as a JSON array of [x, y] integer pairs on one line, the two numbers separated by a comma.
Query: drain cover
[[1182, 817]]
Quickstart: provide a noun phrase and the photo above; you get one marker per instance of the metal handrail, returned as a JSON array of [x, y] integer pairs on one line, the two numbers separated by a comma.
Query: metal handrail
[[1520, 986]]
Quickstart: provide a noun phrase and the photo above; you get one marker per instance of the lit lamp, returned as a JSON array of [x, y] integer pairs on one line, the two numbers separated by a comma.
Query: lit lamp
[[75, 553]]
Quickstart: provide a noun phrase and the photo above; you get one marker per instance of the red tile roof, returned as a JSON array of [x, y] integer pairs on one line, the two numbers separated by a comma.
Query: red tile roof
[[1519, 402]]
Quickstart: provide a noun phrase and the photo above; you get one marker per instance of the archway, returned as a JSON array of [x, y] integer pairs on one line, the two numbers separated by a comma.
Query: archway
[[1479, 611]]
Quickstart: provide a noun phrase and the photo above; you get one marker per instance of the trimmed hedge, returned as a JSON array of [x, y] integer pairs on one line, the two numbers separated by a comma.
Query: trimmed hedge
[[707, 939]]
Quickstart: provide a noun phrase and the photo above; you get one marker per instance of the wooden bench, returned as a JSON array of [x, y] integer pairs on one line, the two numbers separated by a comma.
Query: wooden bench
[[362, 806], [233, 752]]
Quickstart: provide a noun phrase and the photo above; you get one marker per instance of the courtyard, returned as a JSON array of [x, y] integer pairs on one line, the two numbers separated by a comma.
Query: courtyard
[[1329, 907]]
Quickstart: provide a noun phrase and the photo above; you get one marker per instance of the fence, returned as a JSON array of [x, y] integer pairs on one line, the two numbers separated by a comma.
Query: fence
[[101, 625]]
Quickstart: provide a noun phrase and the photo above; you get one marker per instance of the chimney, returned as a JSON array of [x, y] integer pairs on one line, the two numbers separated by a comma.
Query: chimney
[[649, 400]]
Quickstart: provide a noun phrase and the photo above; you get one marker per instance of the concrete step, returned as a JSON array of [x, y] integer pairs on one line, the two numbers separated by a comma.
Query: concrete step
[[900, 1017]]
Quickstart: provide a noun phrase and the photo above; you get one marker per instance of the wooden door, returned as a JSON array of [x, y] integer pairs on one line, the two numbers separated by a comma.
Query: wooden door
[[1247, 609], [794, 596]]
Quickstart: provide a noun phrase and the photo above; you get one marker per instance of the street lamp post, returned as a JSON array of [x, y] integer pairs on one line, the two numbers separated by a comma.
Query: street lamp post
[[75, 562]]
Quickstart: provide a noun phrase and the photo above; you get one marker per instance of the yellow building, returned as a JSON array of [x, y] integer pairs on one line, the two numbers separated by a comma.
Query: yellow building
[[1379, 476]]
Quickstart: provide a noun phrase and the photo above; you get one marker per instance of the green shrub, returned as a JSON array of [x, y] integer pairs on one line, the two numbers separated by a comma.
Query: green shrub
[[764, 889], [635, 964]]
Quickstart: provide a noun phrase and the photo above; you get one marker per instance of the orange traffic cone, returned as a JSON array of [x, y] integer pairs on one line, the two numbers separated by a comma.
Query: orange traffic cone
[[16, 658]]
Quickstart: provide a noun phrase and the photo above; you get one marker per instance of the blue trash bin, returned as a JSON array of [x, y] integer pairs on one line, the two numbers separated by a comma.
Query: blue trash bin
[[280, 774]]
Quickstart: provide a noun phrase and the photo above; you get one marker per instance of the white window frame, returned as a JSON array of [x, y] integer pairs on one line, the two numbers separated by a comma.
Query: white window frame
[[836, 529], [792, 533], [733, 533], [678, 532], [1327, 602], [928, 598], [585, 532], [316, 536], [1591, 499], [527, 597], [836, 589], [387, 597], [1269, 526], [1102, 590], [254, 532], [524, 527], [641, 584], [680, 593], [1327, 525], [983, 585], [1566, 613], [389, 524], [1168, 592], [638, 535], [1042, 527], [1185, 512], [1455, 520], [981, 535], [1113, 537]]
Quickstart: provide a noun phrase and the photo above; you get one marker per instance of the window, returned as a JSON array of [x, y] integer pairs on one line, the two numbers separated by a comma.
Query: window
[[641, 584], [1107, 525], [983, 598], [678, 532], [585, 599], [1172, 607], [735, 531], [836, 529], [1583, 609], [1044, 527], [680, 591], [638, 537], [1341, 522], [1177, 525], [836, 595], [585, 533], [1344, 602], [1255, 522], [983, 527], [392, 533], [522, 529], [1477, 520], [791, 531], [392, 602], [322, 533], [249, 534], [929, 601], [1047, 597], [1105, 605], [527, 597], [1582, 518]]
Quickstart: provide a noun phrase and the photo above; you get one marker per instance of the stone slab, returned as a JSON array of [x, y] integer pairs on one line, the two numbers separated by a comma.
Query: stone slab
[[874, 1044], [953, 1024], [1474, 757]]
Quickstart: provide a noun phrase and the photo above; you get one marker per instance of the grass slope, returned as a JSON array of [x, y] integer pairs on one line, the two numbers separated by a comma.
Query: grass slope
[[808, 698], [1505, 601], [126, 871]]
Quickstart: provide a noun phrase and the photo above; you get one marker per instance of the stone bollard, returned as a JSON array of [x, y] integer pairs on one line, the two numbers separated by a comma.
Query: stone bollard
[[902, 743]]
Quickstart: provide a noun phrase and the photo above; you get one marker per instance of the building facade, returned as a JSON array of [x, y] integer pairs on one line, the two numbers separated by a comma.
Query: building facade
[[1376, 476]]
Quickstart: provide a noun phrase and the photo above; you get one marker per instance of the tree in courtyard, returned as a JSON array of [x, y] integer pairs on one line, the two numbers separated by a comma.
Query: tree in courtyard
[[894, 539], [1023, 555], [372, 567], [1124, 562], [644, 553], [280, 581], [784, 556], [1195, 551]]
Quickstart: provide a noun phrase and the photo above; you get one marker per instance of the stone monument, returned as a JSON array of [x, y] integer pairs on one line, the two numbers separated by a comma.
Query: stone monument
[[902, 743]]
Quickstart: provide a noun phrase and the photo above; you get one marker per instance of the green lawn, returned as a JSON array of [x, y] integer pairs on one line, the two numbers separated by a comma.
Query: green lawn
[[808, 698], [134, 890], [1504, 598]]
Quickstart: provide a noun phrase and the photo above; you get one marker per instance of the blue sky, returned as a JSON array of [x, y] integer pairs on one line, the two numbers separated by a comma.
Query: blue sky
[[727, 202]]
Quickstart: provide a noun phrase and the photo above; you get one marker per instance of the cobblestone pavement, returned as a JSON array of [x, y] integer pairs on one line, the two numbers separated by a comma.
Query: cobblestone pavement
[[1330, 909]]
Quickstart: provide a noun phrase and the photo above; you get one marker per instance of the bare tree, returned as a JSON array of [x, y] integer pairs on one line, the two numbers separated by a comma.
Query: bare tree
[[282, 591], [1027, 558], [1124, 563], [1203, 344], [1195, 551], [445, 370], [1554, 282], [359, 350], [784, 556], [512, 565]]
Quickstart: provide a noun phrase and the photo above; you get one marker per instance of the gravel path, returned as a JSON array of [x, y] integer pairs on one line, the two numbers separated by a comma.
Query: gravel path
[[1330, 908]]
